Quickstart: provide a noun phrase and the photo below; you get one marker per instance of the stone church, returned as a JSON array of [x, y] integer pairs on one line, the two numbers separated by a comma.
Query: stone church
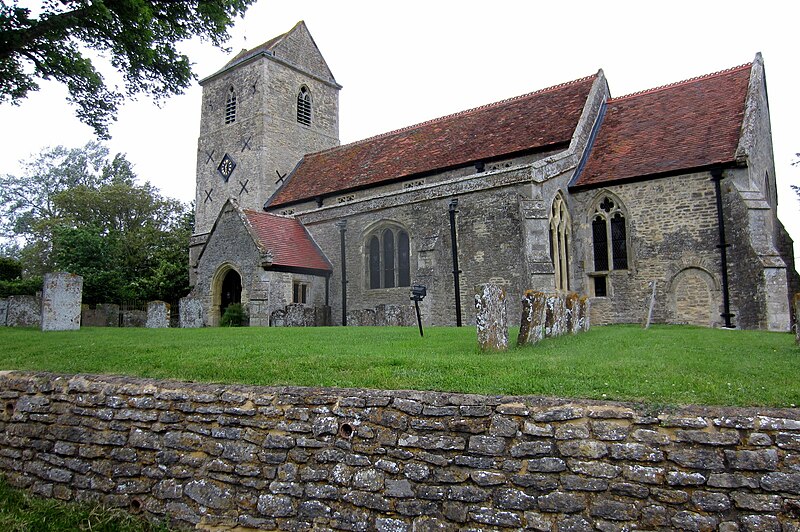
[[668, 191]]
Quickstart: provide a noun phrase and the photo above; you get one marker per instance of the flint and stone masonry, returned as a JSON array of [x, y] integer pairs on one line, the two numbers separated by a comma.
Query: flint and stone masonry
[[344, 459]]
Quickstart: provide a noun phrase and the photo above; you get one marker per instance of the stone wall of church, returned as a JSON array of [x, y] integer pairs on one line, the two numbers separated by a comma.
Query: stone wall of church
[[489, 242], [672, 239]]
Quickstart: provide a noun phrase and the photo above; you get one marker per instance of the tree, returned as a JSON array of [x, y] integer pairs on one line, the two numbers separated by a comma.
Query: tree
[[82, 211], [126, 240], [138, 36], [27, 202]]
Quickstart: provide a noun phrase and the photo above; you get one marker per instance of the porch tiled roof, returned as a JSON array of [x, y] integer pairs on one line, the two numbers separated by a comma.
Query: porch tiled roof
[[288, 240]]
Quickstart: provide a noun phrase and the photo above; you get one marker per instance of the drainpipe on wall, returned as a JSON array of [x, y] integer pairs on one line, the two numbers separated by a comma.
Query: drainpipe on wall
[[456, 271], [716, 177], [342, 225]]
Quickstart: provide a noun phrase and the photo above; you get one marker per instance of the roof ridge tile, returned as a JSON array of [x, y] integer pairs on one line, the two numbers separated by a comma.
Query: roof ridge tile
[[682, 82], [455, 115]]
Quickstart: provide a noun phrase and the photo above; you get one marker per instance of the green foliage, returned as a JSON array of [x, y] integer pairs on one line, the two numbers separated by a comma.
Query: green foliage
[[663, 365], [234, 316], [79, 210], [21, 512], [139, 38], [10, 269], [21, 287]]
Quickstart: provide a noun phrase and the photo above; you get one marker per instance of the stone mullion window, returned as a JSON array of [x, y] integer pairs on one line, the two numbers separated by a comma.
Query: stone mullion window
[[609, 243], [388, 260]]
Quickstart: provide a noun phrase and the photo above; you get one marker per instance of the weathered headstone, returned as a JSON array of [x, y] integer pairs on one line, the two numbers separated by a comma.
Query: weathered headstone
[[322, 316], [191, 313], [573, 310], [309, 317], [157, 315], [61, 301], [278, 318], [393, 316], [556, 317], [3, 312], [490, 317], [295, 315], [24, 311], [134, 318], [531, 329], [584, 304], [797, 317]]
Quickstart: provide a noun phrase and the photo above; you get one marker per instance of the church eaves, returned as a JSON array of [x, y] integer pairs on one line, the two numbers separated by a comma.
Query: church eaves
[[688, 125], [533, 122]]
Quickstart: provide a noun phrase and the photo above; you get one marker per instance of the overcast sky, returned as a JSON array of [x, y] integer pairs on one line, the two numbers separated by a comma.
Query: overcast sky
[[405, 62]]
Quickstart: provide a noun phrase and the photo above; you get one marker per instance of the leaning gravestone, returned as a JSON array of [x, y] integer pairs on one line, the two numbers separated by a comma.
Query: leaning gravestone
[[191, 313], [157, 315], [797, 318], [573, 313], [61, 301], [490, 317], [24, 311], [556, 317], [531, 329], [3, 312], [585, 307]]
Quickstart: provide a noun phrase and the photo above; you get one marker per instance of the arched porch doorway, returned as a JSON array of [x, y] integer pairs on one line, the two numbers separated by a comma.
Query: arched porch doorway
[[230, 291]]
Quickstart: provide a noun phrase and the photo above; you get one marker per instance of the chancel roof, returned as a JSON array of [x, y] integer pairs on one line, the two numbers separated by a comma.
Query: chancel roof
[[288, 240], [691, 124], [532, 122]]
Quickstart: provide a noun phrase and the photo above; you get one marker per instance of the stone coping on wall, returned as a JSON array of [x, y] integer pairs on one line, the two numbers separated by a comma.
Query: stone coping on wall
[[296, 458]]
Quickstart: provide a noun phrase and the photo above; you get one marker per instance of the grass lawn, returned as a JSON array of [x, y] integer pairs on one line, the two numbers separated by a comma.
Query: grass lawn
[[22, 512], [665, 365]]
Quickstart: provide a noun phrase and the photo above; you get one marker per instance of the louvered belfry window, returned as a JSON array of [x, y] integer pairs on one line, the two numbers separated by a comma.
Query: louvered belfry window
[[304, 107], [230, 107]]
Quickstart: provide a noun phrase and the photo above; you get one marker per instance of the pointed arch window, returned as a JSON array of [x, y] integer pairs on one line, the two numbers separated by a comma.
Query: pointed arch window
[[560, 236], [304, 106], [609, 236], [388, 258], [230, 107]]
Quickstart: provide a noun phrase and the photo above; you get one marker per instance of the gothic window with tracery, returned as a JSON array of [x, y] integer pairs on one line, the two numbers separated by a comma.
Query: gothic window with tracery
[[560, 233], [230, 107], [388, 258], [304, 106], [609, 236]]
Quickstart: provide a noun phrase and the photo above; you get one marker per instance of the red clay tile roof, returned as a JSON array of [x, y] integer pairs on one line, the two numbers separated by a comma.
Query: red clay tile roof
[[289, 241], [690, 124], [533, 121]]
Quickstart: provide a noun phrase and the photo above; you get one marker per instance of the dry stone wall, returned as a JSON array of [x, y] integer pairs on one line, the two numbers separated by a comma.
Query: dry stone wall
[[344, 459]]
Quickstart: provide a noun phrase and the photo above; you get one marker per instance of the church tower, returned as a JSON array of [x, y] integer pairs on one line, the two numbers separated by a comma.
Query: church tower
[[261, 113]]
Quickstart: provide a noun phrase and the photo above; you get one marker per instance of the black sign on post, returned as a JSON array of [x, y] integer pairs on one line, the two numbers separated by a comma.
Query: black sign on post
[[418, 293]]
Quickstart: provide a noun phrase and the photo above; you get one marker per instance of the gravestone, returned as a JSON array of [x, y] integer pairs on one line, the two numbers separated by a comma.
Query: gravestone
[[322, 316], [295, 315], [3, 312], [490, 317], [531, 329], [797, 318], [24, 311], [157, 315], [61, 301], [134, 318], [278, 318], [556, 317], [585, 306], [191, 313], [573, 313]]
